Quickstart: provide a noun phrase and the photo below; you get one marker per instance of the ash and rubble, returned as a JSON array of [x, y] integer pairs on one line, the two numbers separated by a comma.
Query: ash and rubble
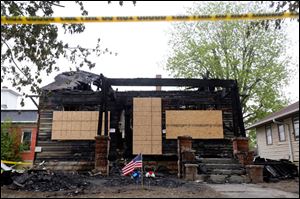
[[48, 181], [74, 182], [167, 182]]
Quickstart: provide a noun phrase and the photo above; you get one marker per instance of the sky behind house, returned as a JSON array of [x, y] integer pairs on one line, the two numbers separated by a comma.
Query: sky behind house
[[141, 48]]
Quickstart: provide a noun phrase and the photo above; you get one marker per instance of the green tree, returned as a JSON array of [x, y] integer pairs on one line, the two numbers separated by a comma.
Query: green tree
[[29, 50], [10, 146], [241, 50]]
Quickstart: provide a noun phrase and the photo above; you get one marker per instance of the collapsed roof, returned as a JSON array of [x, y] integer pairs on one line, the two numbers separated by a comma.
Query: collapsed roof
[[72, 80]]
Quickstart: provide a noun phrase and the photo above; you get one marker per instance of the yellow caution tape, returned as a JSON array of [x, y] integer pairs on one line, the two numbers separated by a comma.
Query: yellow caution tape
[[74, 20], [11, 162]]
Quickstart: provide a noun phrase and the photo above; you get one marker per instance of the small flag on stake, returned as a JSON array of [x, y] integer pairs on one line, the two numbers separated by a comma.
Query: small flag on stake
[[137, 162]]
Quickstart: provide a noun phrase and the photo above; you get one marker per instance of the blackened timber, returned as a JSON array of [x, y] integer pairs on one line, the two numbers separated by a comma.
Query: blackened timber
[[170, 82], [239, 111], [128, 132], [105, 85], [234, 114], [165, 93], [100, 117]]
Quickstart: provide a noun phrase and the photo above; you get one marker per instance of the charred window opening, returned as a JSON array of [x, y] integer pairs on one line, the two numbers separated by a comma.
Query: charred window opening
[[71, 108]]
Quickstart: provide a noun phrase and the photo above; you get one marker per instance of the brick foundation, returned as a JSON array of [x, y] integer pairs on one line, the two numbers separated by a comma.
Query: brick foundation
[[101, 154], [241, 150], [255, 173], [240, 144], [245, 158], [190, 171]]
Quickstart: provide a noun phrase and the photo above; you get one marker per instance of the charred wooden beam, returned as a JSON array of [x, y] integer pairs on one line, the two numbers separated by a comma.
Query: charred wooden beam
[[105, 93], [31, 97], [234, 114], [239, 111], [171, 82]]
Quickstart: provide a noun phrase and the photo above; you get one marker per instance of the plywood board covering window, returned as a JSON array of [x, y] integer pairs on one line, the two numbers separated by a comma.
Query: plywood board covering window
[[147, 136], [76, 125], [199, 124]]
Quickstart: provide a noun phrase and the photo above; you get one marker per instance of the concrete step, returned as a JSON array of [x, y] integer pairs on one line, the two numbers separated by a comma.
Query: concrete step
[[227, 171], [210, 166], [218, 160], [221, 179]]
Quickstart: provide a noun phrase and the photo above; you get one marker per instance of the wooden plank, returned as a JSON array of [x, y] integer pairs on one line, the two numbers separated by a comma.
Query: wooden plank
[[141, 148], [156, 138], [142, 120], [156, 130], [142, 108], [156, 149], [145, 101], [86, 115], [197, 124], [156, 109], [194, 117], [94, 126], [57, 115], [142, 138], [156, 102], [195, 132], [75, 126], [146, 123], [94, 115], [156, 118], [156, 143], [141, 114], [55, 134], [57, 125], [142, 130], [86, 125]]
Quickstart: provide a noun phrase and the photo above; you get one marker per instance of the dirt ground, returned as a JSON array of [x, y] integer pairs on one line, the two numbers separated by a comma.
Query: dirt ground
[[291, 186], [106, 188]]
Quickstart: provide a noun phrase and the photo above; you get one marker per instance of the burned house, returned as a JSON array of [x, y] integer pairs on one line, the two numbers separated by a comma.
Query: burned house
[[126, 123]]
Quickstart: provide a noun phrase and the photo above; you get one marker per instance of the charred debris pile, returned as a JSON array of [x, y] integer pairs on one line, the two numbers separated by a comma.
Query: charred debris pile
[[47, 181]]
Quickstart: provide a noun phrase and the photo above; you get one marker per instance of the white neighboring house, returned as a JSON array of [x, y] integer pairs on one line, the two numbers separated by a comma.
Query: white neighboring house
[[9, 98], [277, 135]]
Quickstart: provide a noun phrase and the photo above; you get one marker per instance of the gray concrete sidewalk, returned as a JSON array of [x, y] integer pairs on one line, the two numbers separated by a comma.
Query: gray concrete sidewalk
[[250, 191]]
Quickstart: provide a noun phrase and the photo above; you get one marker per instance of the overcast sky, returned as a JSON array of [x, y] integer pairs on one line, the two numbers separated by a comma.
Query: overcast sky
[[141, 47]]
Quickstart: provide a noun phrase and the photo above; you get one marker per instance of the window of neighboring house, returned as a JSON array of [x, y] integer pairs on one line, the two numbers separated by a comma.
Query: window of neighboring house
[[281, 132], [296, 127], [269, 135], [26, 140]]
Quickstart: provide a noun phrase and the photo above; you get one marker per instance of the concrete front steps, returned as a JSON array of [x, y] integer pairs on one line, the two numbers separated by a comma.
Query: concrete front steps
[[221, 170]]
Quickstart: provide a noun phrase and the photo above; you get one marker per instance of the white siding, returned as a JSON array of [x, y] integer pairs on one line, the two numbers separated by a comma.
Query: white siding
[[277, 150]]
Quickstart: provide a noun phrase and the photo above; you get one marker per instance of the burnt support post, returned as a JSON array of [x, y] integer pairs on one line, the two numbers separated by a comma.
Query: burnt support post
[[102, 142], [100, 117], [101, 154], [239, 110], [184, 144], [105, 89], [237, 115]]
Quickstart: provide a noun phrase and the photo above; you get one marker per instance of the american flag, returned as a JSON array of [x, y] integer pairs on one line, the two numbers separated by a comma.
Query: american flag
[[135, 163]]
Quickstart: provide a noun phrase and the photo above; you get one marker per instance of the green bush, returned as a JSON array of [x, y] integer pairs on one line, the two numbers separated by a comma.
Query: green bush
[[10, 147]]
